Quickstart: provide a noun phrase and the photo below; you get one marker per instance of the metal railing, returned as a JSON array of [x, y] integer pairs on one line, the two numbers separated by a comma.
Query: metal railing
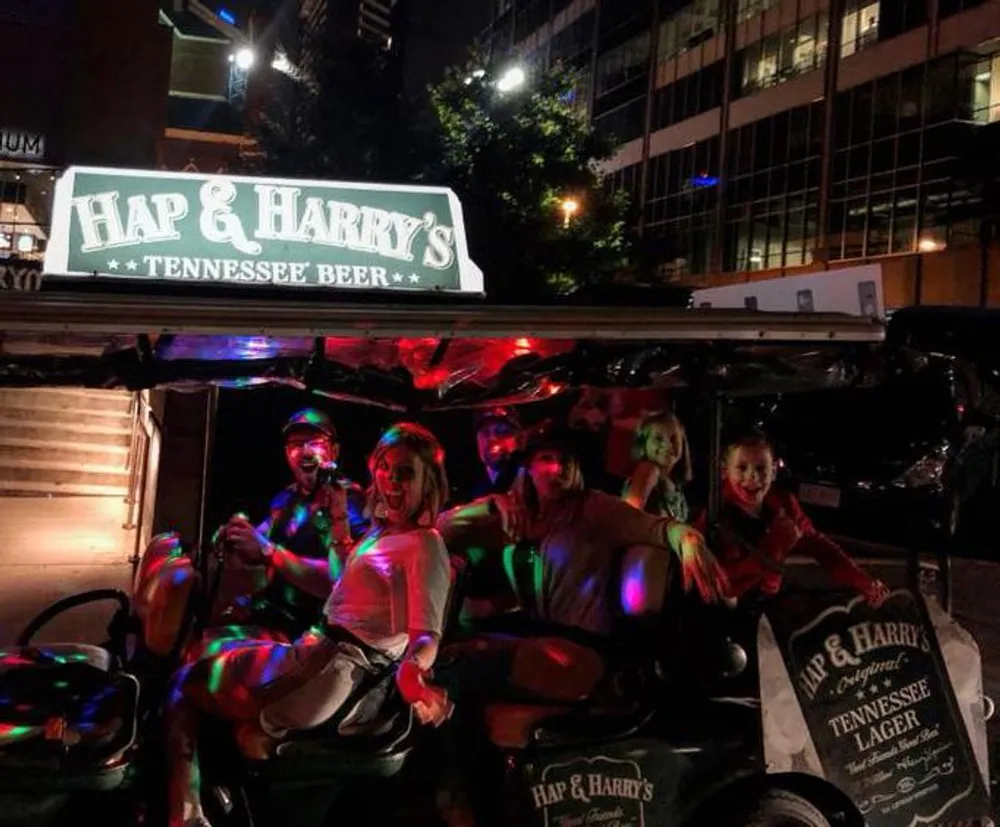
[[144, 427]]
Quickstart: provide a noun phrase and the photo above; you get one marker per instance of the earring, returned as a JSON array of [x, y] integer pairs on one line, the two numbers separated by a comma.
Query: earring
[[380, 512]]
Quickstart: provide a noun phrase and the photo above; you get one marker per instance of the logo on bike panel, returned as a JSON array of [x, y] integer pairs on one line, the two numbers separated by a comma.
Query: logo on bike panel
[[592, 792]]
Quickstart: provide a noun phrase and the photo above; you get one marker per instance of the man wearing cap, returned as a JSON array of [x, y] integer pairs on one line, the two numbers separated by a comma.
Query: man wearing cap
[[306, 538], [500, 439]]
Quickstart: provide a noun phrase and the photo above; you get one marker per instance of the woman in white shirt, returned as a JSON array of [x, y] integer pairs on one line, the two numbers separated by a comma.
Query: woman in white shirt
[[388, 606]]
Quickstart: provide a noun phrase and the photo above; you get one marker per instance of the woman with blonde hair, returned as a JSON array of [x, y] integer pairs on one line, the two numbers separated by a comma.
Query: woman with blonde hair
[[663, 466], [387, 607]]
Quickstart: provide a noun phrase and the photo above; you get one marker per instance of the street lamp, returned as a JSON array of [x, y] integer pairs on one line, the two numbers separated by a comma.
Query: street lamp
[[569, 207], [244, 59], [512, 79]]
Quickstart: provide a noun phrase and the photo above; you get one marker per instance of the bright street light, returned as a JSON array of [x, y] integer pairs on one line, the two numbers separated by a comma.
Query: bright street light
[[569, 207], [512, 79], [244, 59], [476, 75]]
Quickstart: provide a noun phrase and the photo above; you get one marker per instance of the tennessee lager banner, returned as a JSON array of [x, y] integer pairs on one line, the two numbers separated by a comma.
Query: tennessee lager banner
[[880, 708], [181, 227]]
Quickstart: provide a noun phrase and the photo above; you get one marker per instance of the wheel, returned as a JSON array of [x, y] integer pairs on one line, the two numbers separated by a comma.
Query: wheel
[[781, 808]]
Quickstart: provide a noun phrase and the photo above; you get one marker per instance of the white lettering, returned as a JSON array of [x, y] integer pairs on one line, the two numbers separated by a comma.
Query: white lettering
[[276, 210], [439, 254], [406, 227], [219, 224], [95, 212]]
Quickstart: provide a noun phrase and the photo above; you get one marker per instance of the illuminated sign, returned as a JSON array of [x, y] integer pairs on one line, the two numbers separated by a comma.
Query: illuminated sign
[[170, 226], [18, 145], [20, 275]]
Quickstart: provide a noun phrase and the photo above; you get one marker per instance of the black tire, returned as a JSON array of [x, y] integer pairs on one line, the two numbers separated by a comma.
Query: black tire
[[781, 808]]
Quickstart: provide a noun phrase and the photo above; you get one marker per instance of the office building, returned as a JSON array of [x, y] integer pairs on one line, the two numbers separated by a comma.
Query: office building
[[751, 154], [212, 63], [372, 21]]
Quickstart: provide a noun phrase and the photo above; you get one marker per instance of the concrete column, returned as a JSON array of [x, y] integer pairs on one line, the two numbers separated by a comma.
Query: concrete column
[[832, 71]]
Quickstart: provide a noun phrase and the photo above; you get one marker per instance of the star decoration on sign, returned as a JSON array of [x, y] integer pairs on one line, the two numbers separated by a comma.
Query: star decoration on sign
[[397, 277], [873, 691], [131, 266], [414, 278], [113, 264], [887, 683], [860, 695]]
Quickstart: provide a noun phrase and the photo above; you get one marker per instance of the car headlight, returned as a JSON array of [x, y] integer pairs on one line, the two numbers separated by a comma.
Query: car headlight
[[926, 471]]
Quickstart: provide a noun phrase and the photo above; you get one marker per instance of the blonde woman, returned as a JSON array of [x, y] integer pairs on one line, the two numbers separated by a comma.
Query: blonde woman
[[388, 606], [663, 467]]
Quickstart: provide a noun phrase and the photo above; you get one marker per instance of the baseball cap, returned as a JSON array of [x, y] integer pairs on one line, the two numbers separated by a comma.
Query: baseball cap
[[310, 419], [499, 416]]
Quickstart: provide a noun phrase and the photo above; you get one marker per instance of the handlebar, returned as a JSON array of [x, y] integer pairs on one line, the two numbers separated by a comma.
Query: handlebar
[[118, 627]]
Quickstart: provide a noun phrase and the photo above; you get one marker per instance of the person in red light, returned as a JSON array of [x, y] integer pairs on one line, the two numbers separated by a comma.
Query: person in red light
[[761, 526], [387, 609]]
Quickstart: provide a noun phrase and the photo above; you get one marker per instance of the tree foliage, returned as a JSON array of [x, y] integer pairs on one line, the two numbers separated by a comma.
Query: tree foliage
[[513, 157]]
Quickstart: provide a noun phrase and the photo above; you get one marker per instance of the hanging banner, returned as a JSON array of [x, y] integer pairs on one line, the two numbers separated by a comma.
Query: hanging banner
[[197, 229], [879, 706]]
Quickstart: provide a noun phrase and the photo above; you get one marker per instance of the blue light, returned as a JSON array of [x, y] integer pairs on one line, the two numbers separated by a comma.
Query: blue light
[[228, 16], [704, 181]]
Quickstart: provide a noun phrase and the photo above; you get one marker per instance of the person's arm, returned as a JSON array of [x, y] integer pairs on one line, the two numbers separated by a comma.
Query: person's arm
[[621, 526], [817, 545], [641, 484], [428, 585], [457, 525]]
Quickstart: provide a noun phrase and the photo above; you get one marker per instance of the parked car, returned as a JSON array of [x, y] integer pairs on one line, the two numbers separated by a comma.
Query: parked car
[[911, 459]]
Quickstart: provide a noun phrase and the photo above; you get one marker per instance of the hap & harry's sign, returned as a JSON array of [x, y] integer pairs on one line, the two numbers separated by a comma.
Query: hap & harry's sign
[[193, 228], [598, 791], [876, 697]]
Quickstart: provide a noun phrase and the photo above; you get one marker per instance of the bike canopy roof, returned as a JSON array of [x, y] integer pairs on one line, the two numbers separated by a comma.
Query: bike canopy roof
[[428, 356]]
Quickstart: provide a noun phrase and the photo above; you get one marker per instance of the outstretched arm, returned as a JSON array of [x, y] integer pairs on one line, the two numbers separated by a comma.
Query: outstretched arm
[[460, 525], [621, 525], [841, 568]]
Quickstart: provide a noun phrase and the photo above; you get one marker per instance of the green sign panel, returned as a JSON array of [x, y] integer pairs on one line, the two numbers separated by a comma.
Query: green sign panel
[[191, 228]]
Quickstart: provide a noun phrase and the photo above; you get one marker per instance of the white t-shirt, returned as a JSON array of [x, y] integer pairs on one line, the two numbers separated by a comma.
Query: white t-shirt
[[392, 585]]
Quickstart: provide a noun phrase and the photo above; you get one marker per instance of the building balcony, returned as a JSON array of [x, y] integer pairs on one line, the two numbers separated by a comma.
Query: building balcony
[[205, 115]]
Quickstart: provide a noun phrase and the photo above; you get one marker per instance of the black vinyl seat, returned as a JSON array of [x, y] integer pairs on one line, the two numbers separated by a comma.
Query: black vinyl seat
[[67, 719]]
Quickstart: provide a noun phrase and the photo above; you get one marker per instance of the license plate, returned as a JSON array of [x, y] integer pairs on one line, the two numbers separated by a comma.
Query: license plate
[[824, 495]]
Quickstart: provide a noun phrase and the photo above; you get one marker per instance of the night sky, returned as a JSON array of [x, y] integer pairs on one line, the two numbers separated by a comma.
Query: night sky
[[439, 33]]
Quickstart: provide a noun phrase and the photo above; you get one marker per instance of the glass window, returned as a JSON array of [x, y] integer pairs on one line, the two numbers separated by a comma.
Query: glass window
[[695, 23], [886, 106], [904, 220], [25, 210], [859, 27], [749, 8], [854, 228], [622, 63]]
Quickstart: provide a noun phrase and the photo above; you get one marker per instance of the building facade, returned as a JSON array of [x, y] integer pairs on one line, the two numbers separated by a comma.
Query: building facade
[[74, 91], [213, 62], [750, 153]]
